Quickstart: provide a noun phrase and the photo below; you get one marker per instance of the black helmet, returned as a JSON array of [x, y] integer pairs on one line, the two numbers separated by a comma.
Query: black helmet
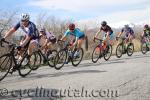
[[126, 25], [103, 23], [146, 26]]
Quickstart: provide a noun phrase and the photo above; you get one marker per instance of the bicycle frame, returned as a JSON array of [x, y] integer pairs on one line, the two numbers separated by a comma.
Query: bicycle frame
[[100, 45], [12, 53], [123, 43]]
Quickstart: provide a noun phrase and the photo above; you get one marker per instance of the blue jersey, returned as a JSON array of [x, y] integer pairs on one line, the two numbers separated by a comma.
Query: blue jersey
[[128, 31], [77, 33], [30, 30]]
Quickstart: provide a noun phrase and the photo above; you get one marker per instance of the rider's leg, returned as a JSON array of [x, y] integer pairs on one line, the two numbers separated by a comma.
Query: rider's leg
[[49, 48], [80, 42], [32, 46]]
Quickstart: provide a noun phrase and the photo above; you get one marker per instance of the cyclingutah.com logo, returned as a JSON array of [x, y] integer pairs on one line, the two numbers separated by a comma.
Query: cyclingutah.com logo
[[59, 93]]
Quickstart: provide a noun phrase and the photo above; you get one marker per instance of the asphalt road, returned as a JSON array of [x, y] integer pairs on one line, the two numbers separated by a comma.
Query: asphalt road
[[127, 78]]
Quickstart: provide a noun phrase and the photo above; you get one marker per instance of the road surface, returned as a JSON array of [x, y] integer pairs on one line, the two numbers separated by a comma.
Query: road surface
[[127, 78]]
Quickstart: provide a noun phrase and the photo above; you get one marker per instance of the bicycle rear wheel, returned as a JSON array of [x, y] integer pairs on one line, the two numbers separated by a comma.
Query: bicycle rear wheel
[[119, 50], [77, 57], [96, 54], [5, 65], [60, 59], [24, 68], [51, 58]]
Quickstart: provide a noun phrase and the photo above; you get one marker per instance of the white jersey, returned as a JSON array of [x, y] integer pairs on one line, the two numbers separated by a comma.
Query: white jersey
[[50, 35]]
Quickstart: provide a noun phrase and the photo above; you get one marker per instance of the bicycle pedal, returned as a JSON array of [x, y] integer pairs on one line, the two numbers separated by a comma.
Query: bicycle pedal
[[12, 70]]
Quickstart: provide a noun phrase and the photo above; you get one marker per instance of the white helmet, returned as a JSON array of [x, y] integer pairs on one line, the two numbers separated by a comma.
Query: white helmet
[[25, 16]]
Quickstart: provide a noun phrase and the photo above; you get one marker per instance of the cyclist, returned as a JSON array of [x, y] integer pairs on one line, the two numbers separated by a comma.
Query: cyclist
[[146, 33], [108, 33], [31, 33], [129, 33], [77, 34], [49, 38]]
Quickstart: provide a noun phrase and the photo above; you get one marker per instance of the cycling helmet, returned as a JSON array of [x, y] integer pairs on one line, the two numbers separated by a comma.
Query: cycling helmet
[[103, 23], [25, 16], [146, 26], [126, 26], [42, 30], [71, 26]]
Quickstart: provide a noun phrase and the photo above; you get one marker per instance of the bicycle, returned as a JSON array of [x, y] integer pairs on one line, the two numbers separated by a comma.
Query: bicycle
[[7, 60], [101, 51], [74, 55], [122, 48], [39, 56], [145, 45]]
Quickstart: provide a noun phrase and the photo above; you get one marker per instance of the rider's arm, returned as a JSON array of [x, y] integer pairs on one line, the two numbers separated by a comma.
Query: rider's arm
[[29, 36], [143, 33], [131, 35], [45, 42], [107, 34], [99, 31], [27, 39], [120, 33], [76, 41], [11, 31], [65, 36]]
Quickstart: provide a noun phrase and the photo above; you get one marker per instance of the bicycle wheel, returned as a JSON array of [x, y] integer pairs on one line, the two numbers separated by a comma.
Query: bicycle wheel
[[119, 50], [130, 49], [108, 52], [35, 60], [24, 67], [96, 54], [51, 58], [5, 65], [144, 48], [77, 57], [60, 59]]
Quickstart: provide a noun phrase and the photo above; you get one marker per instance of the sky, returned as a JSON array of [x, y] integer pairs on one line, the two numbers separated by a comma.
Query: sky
[[89, 12]]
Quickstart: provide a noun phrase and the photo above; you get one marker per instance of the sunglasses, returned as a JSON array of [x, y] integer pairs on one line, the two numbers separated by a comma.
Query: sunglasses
[[24, 20], [71, 29]]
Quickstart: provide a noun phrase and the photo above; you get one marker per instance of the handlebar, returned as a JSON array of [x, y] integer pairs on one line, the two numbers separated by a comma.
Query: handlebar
[[9, 44], [60, 40], [117, 38], [67, 45], [98, 39]]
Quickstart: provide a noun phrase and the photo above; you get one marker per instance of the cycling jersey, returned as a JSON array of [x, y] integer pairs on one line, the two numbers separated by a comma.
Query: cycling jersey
[[127, 31], [30, 30], [147, 32], [77, 33], [50, 36], [106, 29]]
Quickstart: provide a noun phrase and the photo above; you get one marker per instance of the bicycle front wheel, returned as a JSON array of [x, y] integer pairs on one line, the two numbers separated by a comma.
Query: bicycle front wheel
[[77, 57], [24, 67], [60, 59], [5, 65], [108, 52], [119, 50], [51, 58], [35, 60], [144, 48], [96, 54]]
